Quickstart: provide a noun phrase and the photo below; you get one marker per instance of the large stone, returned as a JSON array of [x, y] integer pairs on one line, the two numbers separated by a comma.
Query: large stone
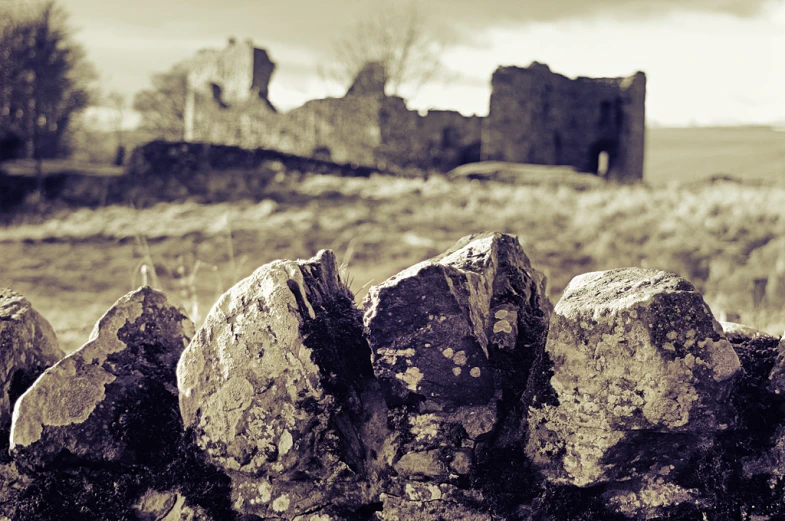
[[453, 339], [641, 371], [99, 403], [28, 345], [278, 388]]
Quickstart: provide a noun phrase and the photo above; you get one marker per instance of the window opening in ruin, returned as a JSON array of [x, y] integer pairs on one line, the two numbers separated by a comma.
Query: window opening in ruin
[[605, 113], [556, 149], [619, 112], [603, 163], [217, 92]]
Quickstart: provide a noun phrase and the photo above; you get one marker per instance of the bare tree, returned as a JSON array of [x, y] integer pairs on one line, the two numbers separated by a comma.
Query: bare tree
[[399, 36]]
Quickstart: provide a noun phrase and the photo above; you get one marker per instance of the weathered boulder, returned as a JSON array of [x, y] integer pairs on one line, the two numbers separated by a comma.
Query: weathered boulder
[[641, 374], [453, 339], [101, 403], [28, 345], [278, 388]]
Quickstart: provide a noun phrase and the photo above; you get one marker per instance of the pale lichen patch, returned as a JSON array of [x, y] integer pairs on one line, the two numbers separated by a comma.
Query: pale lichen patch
[[55, 408], [285, 443], [412, 378], [281, 503], [265, 491], [502, 326]]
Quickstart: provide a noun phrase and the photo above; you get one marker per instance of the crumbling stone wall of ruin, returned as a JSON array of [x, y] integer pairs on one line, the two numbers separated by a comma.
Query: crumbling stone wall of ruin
[[222, 84], [456, 391], [539, 117], [363, 127], [240, 71]]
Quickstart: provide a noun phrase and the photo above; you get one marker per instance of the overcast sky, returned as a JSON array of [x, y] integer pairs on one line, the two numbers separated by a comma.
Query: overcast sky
[[707, 61]]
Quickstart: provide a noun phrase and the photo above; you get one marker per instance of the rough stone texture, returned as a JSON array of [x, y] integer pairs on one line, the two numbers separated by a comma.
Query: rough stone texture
[[229, 77], [428, 501], [539, 117], [83, 407], [278, 388], [641, 372], [28, 345], [777, 375], [167, 506], [453, 339], [11, 482], [755, 452]]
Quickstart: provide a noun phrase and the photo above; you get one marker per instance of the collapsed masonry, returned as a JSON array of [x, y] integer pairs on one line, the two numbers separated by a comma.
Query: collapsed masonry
[[457, 393], [536, 116]]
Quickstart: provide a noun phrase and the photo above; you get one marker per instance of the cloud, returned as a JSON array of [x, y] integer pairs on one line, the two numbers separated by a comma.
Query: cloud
[[496, 13], [315, 23], [128, 41]]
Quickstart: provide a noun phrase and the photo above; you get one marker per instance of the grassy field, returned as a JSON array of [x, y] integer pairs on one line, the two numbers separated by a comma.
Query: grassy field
[[722, 236], [682, 154]]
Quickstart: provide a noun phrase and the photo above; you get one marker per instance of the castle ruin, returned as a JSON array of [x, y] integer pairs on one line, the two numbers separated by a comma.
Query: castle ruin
[[539, 117], [536, 116]]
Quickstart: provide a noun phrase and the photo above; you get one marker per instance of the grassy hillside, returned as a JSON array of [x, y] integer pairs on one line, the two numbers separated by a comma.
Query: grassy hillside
[[722, 236], [687, 154]]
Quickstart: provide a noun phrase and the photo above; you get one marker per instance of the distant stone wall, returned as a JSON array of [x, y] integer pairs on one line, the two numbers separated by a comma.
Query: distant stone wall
[[457, 392], [539, 117], [163, 171]]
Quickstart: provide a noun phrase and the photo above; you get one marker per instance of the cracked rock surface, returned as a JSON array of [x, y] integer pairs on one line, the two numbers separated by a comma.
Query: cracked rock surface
[[83, 407], [453, 339], [278, 388], [28, 345], [640, 373]]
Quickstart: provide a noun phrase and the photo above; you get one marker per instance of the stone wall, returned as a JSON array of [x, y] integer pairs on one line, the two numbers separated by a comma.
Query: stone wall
[[364, 127], [455, 392], [540, 117], [162, 171], [231, 77], [536, 117]]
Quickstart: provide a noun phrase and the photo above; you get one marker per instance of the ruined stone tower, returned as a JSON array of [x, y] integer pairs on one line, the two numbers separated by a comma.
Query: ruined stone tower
[[232, 76], [595, 125]]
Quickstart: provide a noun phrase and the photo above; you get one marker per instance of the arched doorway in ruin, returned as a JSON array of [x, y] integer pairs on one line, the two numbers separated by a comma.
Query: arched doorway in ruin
[[602, 156]]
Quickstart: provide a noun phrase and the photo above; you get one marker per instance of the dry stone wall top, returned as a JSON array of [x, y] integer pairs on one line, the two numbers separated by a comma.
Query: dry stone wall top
[[278, 388], [453, 339], [28, 345], [638, 361], [458, 393], [83, 406]]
